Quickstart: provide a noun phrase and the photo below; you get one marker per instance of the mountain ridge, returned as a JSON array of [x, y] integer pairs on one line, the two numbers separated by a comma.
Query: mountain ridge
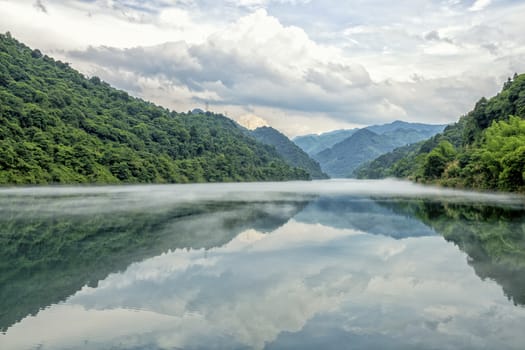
[[363, 145], [57, 126]]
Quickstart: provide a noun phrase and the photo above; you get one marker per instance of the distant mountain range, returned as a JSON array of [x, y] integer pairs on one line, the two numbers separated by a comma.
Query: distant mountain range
[[341, 152]]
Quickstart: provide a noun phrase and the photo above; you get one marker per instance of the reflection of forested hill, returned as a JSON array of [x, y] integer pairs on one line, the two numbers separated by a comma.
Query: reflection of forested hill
[[362, 214], [493, 238], [46, 258]]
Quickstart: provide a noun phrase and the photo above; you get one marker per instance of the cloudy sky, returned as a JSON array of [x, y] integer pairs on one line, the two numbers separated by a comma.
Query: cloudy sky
[[303, 66]]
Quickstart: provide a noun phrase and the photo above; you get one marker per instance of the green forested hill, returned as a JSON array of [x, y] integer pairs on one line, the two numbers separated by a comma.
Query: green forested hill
[[289, 151], [485, 149], [56, 126]]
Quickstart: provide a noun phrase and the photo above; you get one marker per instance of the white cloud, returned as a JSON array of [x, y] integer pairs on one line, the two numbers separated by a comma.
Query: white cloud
[[314, 65], [480, 5], [76, 24], [251, 121]]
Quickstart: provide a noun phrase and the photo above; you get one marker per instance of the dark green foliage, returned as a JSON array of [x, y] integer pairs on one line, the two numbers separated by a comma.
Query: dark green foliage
[[485, 148], [56, 126], [498, 161], [437, 160], [289, 151]]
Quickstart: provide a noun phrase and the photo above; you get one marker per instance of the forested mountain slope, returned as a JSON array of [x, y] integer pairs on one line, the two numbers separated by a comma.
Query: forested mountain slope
[[485, 149], [56, 126], [289, 151]]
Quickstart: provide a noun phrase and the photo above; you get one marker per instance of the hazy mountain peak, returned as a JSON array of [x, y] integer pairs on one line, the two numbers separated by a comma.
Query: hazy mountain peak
[[362, 145]]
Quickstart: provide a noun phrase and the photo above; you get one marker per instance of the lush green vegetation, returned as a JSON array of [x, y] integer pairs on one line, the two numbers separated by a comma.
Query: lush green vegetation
[[485, 149], [56, 126], [291, 153]]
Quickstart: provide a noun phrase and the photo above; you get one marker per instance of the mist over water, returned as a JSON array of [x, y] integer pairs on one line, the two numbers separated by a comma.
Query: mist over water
[[79, 199], [323, 264]]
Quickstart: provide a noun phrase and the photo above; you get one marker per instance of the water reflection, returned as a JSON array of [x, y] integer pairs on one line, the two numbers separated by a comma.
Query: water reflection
[[282, 271], [47, 256], [365, 214], [492, 236]]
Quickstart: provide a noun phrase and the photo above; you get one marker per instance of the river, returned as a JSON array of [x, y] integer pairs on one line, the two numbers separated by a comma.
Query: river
[[336, 264]]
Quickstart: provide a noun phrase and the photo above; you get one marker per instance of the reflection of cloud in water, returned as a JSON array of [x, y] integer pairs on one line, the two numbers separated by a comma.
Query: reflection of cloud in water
[[292, 288]]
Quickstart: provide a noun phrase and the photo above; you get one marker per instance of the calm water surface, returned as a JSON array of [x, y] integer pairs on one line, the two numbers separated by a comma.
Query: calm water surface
[[302, 265]]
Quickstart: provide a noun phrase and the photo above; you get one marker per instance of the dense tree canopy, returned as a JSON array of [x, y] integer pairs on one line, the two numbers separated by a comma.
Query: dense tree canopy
[[56, 126]]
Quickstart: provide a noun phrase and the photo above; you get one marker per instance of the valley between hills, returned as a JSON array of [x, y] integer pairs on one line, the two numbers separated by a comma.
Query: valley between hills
[[60, 127]]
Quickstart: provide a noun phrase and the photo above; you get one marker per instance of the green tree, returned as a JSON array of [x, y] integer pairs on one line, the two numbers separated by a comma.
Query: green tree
[[437, 160], [56, 126]]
